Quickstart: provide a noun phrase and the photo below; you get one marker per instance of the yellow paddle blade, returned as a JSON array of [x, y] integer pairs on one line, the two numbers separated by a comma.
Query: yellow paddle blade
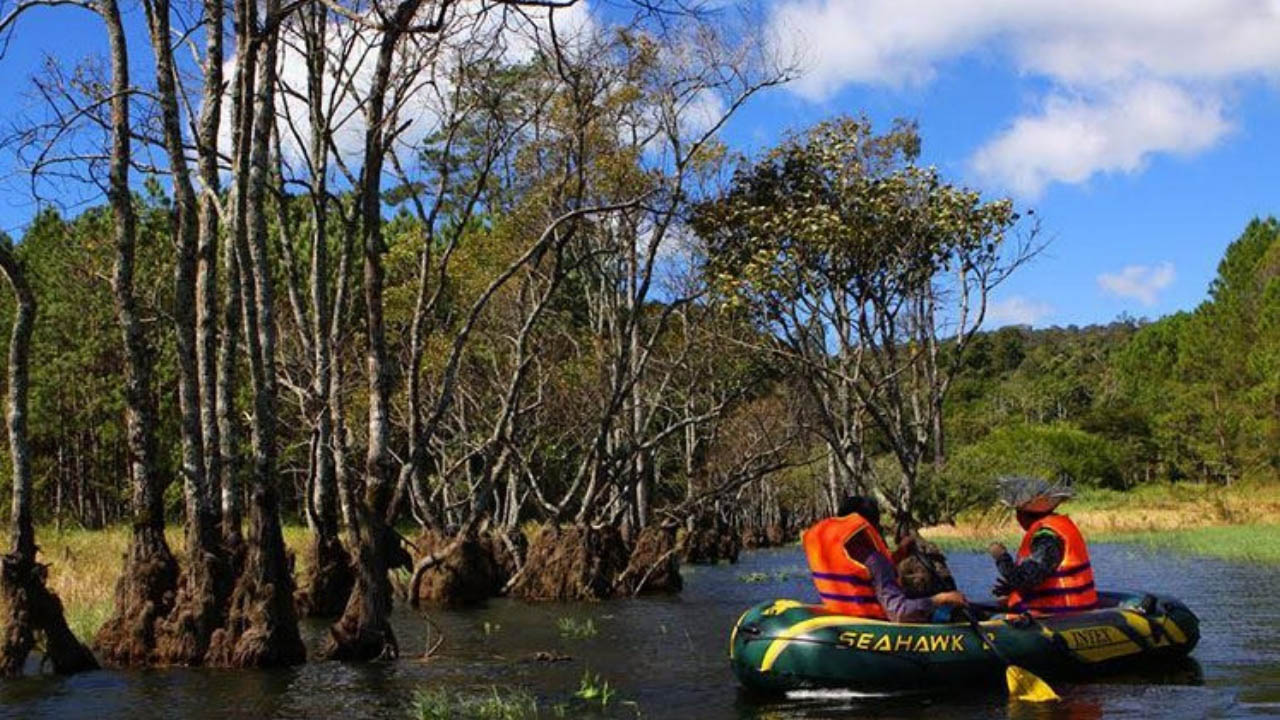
[[1024, 685]]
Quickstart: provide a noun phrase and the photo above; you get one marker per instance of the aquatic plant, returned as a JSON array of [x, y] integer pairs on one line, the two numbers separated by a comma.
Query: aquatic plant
[[594, 690], [575, 629], [496, 704], [753, 577]]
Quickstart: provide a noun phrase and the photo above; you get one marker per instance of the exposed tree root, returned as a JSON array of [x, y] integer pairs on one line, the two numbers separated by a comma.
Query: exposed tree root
[[204, 587], [710, 543], [262, 625], [572, 563], [465, 571], [33, 609], [364, 633], [654, 566], [144, 597], [329, 579]]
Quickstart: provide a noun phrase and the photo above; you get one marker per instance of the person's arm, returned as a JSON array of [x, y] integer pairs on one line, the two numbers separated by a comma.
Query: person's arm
[[892, 598], [1047, 549]]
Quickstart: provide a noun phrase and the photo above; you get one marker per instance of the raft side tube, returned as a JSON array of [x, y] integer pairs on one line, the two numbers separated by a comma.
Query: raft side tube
[[784, 645]]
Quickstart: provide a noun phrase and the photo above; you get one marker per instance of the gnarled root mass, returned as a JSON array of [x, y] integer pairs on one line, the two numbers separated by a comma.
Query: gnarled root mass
[[33, 610], [572, 563], [200, 609], [364, 631], [654, 566], [144, 597], [328, 581], [465, 575], [712, 543], [262, 626]]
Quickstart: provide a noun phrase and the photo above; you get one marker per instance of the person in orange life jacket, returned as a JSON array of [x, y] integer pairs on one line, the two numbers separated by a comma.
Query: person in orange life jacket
[[1052, 573], [852, 570]]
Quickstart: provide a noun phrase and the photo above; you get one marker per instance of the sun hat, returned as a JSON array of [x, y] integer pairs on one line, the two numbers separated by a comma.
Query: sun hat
[[1035, 495]]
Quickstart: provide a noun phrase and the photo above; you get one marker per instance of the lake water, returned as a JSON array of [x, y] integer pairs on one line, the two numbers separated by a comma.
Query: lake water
[[667, 658]]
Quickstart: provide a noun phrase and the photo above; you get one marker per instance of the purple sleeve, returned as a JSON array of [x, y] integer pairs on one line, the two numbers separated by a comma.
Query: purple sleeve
[[896, 604]]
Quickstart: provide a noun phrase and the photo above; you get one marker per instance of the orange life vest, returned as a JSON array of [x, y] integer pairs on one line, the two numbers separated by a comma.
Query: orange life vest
[[844, 583], [1070, 587]]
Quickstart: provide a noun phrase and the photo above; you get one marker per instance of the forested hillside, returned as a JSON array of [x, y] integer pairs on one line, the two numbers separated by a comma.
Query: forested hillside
[[1192, 396]]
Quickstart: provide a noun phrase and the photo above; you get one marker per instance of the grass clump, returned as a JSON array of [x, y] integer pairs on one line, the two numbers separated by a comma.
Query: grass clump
[[495, 704], [594, 690], [576, 629]]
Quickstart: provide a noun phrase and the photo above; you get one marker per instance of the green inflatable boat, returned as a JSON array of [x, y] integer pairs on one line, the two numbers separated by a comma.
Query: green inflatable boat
[[786, 645]]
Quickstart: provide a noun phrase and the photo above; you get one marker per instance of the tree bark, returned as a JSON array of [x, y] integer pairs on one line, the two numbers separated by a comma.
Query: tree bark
[[203, 584], [144, 593], [262, 626], [30, 607], [364, 630]]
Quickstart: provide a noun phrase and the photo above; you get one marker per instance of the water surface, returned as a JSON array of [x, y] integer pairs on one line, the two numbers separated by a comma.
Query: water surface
[[667, 658]]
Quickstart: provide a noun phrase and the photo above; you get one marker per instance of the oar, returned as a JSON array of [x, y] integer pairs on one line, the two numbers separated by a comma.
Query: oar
[[1023, 684]]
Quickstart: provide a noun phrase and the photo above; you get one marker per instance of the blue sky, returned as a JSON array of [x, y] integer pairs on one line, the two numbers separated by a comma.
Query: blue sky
[[1145, 138]]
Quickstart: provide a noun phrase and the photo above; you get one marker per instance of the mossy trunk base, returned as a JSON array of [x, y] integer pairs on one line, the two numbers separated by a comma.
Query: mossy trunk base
[[654, 566], [262, 626], [33, 610], [327, 585], [144, 597], [204, 588], [572, 563]]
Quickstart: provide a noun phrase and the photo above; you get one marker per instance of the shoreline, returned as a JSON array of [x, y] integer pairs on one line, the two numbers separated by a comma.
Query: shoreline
[[1237, 523]]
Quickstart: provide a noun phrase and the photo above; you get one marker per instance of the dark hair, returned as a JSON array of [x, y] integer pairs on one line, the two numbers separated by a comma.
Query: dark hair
[[865, 506]]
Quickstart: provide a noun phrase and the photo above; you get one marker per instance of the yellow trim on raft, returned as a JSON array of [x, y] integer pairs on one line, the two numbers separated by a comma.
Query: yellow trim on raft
[[733, 636], [781, 642]]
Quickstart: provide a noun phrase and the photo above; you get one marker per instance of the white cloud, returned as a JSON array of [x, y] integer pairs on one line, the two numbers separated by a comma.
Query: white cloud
[[1139, 282], [1095, 59], [1016, 310], [1074, 138]]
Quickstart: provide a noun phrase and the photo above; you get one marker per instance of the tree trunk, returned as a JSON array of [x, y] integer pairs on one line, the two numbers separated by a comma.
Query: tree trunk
[[328, 583], [364, 630], [203, 585], [262, 627], [144, 593], [30, 607]]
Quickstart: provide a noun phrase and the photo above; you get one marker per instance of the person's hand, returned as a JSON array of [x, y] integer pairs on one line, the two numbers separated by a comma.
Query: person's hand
[[951, 597], [1002, 588], [997, 550]]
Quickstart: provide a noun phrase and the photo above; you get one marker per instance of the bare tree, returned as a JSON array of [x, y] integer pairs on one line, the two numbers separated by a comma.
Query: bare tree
[[144, 593], [261, 627], [31, 608]]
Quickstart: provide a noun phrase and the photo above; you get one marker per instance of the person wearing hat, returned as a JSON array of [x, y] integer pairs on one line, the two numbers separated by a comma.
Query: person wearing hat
[[852, 571], [1052, 573]]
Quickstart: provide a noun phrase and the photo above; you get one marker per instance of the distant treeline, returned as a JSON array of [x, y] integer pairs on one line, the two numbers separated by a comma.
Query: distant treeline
[[1193, 396]]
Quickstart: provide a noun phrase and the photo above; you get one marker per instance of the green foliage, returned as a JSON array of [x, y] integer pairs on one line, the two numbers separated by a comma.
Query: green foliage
[[1053, 450], [594, 690], [576, 629], [1192, 396], [496, 704]]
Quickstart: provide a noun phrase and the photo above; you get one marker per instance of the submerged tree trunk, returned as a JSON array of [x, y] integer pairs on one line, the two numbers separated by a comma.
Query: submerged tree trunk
[[204, 585], [31, 609], [262, 626], [329, 580], [364, 630], [144, 592]]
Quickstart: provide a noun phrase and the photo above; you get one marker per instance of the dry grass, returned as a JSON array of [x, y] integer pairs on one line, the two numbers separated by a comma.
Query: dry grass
[[1155, 508], [84, 565], [1238, 522]]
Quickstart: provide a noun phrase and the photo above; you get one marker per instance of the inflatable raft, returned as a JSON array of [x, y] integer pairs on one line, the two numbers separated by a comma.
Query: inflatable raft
[[786, 645]]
